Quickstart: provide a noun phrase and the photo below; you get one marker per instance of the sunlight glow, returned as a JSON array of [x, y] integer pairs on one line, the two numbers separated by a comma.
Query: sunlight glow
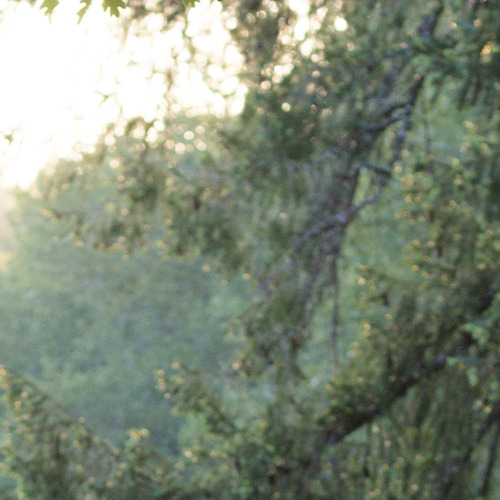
[[63, 82], [49, 93], [340, 24]]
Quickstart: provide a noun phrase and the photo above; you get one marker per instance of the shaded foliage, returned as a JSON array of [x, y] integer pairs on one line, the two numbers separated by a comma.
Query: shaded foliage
[[357, 192]]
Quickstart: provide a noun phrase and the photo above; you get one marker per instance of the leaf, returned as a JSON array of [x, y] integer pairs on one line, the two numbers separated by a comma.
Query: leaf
[[83, 10], [50, 5], [113, 6]]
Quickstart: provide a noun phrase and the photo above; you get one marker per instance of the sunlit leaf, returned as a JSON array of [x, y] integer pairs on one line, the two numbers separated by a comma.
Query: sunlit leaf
[[113, 6], [84, 9], [49, 5]]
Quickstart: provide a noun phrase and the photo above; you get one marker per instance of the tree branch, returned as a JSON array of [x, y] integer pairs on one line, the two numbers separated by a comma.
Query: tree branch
[[492, 456]]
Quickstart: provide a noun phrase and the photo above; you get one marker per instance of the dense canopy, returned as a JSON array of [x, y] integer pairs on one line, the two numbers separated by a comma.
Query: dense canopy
[[312, 281]]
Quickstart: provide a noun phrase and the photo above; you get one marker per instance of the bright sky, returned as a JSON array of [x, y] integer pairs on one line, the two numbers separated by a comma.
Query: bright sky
[[55, 73], [50, 72]]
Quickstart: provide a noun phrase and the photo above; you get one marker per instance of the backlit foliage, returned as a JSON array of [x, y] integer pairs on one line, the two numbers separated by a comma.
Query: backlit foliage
[[357, 194]]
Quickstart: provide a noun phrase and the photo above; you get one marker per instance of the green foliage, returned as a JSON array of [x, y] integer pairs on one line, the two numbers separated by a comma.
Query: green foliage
[[57, 457], [357, 196], [114, 6], [49, 5], [87, 322]]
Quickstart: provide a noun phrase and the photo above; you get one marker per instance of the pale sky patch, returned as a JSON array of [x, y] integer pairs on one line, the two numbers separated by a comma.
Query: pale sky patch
[[63, 82]]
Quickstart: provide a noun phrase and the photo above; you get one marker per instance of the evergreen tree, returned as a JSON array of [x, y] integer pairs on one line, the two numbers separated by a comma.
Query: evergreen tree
[[358, 193]]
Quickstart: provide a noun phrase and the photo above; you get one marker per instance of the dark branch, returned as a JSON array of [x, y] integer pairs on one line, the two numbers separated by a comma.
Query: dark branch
[[492, 456]]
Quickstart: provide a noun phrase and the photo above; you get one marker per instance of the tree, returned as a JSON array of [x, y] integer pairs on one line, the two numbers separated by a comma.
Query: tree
[[85, 322], [114, 6], [366, 158]]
